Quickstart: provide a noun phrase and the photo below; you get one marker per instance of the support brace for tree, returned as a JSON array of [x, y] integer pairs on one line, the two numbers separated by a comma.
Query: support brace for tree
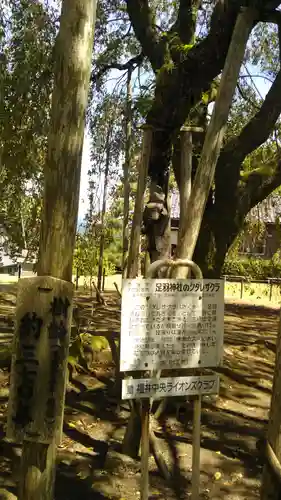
[[214, 136], [133, 258], [126, 170]]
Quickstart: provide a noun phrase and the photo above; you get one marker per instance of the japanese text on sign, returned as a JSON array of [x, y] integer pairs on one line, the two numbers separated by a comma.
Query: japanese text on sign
[[171, 324], [168, 387], [39, 359]]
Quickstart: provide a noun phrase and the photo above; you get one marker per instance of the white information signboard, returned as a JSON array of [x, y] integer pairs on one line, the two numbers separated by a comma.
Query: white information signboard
[[167, 387], [171, 324]]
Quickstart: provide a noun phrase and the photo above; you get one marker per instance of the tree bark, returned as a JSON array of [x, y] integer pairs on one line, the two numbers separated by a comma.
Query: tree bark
[[73, 52], [127, 168]]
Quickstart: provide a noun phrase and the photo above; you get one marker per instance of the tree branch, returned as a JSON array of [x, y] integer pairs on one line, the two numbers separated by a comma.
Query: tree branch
[[258, 187], [257, 131], [259, 184], [199, 67], [174, 98], [142, 20], [271, 16], [134, 61], [186, 20]]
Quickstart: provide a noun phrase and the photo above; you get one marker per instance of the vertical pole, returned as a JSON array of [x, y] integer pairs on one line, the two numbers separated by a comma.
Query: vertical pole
[[103, 279], [146, 263], [127, 166], [19, 270], [241, 288], [213, 141], [185, 174], [195, 480], [77, 278], [185, 193], [144, 486], [103, 210], [133, 257]]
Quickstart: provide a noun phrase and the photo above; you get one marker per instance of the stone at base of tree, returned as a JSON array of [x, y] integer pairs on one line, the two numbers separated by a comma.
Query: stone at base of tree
[[6, 495], [118, 461]]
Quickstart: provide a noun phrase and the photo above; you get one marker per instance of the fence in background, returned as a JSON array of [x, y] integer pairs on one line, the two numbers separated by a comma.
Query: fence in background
[[242, 280]]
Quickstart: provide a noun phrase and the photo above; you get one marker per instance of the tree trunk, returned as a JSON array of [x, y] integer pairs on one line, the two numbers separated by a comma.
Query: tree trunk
[[104, 198], [214, 136], [127, 168], [73, 53]]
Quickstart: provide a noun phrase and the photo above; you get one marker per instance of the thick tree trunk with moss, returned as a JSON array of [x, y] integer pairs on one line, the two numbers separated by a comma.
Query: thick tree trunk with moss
[[73, 53]]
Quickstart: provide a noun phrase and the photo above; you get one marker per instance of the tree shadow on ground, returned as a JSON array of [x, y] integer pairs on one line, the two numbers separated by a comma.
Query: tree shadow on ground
[[232, 424]]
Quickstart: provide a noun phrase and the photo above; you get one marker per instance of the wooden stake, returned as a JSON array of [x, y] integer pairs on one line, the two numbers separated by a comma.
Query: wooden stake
[[73, 55], [126, 170], [133, 258], [104, 199], [144, 486], [103, 279], [195, 479], [185, 175]]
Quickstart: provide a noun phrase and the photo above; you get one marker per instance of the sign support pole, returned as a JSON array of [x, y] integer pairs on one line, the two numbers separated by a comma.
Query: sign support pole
[[148, 292], [196, 434], [145, 408]]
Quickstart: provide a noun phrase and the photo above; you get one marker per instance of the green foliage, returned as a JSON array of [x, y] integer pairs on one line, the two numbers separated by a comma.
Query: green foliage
[[86, 252], [253, 268], [27, 34], [253, 231]]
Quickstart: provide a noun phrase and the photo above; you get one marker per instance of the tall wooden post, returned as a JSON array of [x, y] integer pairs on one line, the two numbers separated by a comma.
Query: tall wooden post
[[103, 210], [127, 167], [73, 54], [214, 136], [185, 173], [133, 258]]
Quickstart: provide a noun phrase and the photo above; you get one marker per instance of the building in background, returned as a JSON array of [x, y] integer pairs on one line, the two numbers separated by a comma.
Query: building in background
[[262, 241], [14, 265]]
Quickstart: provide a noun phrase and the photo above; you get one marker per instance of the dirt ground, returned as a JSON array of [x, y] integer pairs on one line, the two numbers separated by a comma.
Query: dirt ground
[[90, 465]]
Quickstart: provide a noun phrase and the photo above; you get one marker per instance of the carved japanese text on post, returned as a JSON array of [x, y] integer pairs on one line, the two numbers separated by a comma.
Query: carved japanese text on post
[[39, 359], [168, 324]]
